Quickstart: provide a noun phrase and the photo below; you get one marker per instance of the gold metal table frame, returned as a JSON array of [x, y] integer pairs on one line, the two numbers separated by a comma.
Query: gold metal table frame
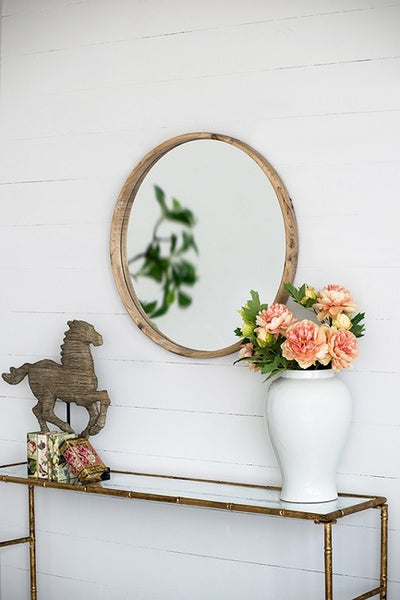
[[211, 494]]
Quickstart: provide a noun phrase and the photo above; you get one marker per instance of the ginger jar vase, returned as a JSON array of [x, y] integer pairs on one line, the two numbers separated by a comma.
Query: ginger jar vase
[[308, 416]]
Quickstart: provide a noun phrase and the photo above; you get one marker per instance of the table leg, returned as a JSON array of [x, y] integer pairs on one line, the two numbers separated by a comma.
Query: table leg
[[32, 542], [384, 550], [328, 561]]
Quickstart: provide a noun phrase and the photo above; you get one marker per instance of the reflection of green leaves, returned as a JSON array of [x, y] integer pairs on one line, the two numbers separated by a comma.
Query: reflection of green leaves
[[184, 300], [177, 213], [163, 261], [188, 242], [183, 272], [149, 307], [160, 197]]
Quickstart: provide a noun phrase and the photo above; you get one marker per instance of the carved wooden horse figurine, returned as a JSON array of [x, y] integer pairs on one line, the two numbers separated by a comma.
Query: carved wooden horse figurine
[[73, 380]]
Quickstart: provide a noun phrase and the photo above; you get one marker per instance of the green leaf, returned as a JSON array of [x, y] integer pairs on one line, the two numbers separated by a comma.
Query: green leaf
[[188, 242], [153, 251], [184, 216], [291, 290], [184, 300], [252, 307], [160, 197], [173, 241], [183, 272], [153, 271], [148, 307], [357, 318], [301, 292], [177, 206], [357, 328], [238, 332], [170, 297], [308, 303], [255, 298], [161, 311]]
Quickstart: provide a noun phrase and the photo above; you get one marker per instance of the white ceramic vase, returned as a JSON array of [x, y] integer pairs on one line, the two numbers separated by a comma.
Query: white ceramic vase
[[308, 415]]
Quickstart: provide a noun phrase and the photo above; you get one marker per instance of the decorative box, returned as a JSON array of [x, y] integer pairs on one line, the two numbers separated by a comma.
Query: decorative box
[[45, 460], [38, 465], [83, 459], [59, 470]]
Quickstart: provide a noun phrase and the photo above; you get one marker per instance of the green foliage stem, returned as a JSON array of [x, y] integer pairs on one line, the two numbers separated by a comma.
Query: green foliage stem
[[163, 260]]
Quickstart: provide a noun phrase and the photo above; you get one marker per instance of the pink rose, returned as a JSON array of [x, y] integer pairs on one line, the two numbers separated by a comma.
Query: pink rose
[[343, 348], [333, 300], [276, 320], [306, 343]]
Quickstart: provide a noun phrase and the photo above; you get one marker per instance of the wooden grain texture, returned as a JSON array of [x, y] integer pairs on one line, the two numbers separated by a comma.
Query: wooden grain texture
[[71, 381], [119, 231], [87, 89]]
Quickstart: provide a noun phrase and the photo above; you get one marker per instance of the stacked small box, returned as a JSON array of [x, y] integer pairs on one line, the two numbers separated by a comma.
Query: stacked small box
[[38, 465], [83, 459], [59, 470], [45, 460]]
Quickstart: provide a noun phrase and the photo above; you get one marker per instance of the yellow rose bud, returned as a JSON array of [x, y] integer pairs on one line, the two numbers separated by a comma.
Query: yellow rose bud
[[247, 330], [342, 321], [270, 339], [310, 293], [264, 338]]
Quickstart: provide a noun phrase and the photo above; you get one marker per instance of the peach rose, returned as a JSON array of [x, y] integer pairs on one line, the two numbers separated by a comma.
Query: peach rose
[[306, 343], [275, 320], [343, 348], [333, 300], [246, 350]]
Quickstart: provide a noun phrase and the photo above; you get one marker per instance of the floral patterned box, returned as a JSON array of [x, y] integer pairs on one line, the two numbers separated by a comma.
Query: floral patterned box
[[59, 470], [45, 460], [83, 459], [38, 465]]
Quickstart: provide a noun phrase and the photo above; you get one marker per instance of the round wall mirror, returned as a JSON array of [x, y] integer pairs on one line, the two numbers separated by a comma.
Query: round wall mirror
[[200, 221]]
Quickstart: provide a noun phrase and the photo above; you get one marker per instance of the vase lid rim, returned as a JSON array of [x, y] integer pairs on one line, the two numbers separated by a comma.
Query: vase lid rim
[[304, 374]]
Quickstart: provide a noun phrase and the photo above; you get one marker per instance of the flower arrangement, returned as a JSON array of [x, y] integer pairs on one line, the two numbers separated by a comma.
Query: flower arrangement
[[274, 340]]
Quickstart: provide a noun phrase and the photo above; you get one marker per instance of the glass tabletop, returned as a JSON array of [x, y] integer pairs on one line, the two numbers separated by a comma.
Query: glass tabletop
[[211, 494]]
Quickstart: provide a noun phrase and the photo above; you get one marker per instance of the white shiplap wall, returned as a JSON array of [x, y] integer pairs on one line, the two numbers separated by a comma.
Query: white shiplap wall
[[87, 88]]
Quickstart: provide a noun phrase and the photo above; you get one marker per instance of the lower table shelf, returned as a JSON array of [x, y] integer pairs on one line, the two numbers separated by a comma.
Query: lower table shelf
[[212, 494]]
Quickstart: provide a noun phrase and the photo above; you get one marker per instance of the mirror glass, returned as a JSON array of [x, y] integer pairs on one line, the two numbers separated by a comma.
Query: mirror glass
[[203, 221]]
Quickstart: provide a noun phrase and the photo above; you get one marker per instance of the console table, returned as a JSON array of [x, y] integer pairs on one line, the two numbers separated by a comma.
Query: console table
[[212, 494]]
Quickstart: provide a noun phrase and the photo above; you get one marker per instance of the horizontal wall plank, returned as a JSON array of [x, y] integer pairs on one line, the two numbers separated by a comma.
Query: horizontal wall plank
[[210, 388], [274, 43], [15, 583], [208, 14], [59, 202], [315, 90], [336, 140], [67, 290]]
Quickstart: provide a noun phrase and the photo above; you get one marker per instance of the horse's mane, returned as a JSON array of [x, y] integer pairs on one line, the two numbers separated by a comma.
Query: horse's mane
[[71, 348]]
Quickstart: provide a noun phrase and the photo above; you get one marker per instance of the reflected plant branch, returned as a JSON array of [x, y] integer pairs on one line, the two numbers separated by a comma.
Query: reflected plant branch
[[164, 259]]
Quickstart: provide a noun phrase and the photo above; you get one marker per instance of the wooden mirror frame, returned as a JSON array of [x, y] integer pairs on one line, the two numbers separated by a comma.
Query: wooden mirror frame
[[119, 228]]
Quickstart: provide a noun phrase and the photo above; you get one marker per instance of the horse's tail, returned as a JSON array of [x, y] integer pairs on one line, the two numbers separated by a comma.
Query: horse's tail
[[16, 375]]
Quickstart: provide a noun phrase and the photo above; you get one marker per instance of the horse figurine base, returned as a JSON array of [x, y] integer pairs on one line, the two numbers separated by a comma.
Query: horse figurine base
[[72, 381]]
